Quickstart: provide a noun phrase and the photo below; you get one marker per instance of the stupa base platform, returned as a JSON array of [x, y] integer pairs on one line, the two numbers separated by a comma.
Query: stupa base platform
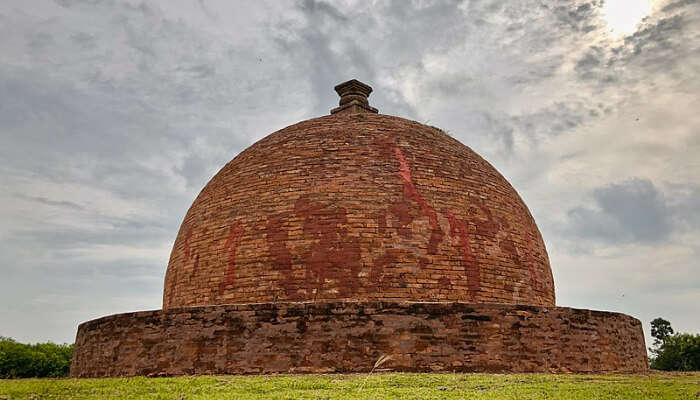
[[351, 336]]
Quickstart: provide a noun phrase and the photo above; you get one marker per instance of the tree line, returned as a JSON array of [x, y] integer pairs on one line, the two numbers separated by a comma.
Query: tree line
[[39, 360]]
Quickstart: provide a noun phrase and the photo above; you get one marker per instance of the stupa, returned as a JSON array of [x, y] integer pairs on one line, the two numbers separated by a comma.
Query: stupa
[[341, 239]]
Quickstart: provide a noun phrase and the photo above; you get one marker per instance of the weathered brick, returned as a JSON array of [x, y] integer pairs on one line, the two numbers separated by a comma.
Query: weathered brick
[[326, 209], [351, 336], [343, 229]]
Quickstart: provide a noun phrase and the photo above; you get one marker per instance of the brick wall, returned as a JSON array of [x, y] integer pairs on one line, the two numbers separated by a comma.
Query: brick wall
[[349, 337], [358, 207]]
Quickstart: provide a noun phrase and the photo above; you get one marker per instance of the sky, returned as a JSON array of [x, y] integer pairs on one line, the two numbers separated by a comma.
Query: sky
[[114, 114]]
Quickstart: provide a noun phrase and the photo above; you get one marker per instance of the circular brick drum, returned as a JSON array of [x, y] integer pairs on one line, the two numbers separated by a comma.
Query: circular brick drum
[[362, 213]]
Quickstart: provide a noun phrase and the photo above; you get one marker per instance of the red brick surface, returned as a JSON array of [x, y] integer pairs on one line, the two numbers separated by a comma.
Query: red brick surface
[[358, 207], [350, 337]]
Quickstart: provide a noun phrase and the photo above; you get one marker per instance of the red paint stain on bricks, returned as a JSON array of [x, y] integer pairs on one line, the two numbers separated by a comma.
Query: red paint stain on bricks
[[189, 253], [402, 210], [280, 255], [333, 254], [531, 263], [459, 229], [276, 239], [232, 242], [489, 227], [411, 191], [173, 284], [196, 265], [188, 236], [376, 275]]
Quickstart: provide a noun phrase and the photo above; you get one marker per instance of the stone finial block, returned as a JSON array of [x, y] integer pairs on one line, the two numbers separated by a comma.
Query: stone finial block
[[353, 98]]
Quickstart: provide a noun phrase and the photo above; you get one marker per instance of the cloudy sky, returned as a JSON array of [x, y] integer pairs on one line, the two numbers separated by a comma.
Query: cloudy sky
[[114, 114]]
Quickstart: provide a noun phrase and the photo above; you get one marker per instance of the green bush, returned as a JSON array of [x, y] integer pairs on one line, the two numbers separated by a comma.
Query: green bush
[[680, 352], [19, 360], [673, 352]]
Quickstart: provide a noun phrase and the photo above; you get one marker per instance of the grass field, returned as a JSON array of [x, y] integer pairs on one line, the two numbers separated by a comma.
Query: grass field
[[378, 386]]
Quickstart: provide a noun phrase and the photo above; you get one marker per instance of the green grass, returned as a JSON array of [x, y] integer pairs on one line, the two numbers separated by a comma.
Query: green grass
[[377, 386]]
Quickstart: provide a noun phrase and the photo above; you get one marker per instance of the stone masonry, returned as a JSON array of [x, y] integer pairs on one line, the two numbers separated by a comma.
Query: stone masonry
[[341, 239], [350, 337]]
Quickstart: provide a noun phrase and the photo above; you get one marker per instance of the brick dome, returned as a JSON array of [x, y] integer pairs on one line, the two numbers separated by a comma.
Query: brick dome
[[351, 237], [358, 206]]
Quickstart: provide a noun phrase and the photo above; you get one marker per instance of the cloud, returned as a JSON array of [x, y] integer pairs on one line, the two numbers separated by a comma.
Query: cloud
[[46, 201], [681, 4], [686, 207], [633, 210], [578, 16], [636, 211], [556, 119], [327, 55], [137, 231], [657, 47]]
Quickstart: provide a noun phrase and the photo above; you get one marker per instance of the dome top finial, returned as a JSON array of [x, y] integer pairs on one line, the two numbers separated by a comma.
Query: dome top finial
[[353, 98]]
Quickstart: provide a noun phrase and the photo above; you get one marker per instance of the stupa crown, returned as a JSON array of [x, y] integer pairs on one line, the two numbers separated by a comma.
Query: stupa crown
[[353, 98]]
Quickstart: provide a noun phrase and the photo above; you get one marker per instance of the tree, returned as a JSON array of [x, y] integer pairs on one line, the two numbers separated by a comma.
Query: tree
[[674, 352], [660, 330]]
